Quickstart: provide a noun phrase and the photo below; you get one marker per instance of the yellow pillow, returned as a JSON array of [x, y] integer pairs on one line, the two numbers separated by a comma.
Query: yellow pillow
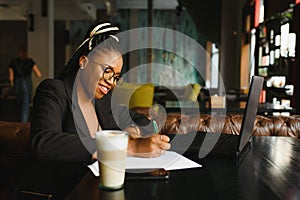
[[134, 95], [192, 91]]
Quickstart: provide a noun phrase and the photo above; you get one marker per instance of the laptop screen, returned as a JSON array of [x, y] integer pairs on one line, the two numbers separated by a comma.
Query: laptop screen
[[250, 111]]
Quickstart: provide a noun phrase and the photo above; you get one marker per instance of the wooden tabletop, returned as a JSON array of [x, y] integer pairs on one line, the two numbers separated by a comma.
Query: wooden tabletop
[[271, 170]]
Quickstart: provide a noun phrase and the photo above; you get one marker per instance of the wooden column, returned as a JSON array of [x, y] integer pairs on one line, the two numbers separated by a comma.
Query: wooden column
[[149, 50], [296, 69]]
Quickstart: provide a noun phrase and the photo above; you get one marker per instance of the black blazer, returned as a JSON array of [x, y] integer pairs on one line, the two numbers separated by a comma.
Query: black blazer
[[53, 131]]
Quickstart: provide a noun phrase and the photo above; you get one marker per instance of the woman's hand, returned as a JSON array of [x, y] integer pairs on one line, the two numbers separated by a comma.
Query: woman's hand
[[148, 147]]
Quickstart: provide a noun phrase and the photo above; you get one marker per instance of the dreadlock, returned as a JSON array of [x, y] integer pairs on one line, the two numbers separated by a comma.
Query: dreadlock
[[104, 34]]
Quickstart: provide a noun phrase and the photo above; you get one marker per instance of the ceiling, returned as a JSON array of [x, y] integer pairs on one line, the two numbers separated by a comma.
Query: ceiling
[[205, 14], [77, 9]]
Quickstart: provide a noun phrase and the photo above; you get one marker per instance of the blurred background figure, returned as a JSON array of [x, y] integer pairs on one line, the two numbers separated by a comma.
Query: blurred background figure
[[20, 69]]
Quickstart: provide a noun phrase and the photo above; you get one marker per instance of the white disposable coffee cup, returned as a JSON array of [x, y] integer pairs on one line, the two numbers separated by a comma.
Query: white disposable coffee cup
[[111, 149]]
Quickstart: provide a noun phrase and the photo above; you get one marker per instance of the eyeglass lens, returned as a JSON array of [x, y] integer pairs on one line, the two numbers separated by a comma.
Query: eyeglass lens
[[109, 73]]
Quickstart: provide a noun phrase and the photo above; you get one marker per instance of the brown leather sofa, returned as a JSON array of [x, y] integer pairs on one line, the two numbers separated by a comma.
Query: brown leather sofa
[[15, 137], [177, 123], [231, 124], [14, 152]]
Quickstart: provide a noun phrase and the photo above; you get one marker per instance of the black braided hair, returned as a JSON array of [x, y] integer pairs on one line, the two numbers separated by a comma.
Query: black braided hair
[[108, 40]]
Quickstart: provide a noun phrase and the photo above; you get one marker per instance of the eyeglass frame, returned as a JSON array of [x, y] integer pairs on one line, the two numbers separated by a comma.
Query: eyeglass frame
[[105, 69]]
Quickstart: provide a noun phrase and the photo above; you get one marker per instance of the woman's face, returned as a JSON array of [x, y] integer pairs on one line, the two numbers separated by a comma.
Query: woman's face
[[109, 63]]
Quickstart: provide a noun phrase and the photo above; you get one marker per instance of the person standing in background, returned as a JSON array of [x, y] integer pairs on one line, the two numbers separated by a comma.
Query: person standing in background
[[20, 70]]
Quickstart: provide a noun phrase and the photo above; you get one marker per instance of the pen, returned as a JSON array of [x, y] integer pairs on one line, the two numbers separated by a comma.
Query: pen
[[155, 126]]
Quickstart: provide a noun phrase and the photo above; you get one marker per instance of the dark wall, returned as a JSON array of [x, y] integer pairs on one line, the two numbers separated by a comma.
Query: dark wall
[[60, 41], [276, 6], [221, 22], [230, 42], [206, 16], [12, 34]]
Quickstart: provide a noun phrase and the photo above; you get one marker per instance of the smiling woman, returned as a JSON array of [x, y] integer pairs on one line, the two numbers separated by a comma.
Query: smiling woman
[[68, 110], [110, 75]]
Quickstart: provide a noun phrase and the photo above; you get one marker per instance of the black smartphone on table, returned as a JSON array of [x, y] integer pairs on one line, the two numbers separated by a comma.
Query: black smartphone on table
[[147, 174]]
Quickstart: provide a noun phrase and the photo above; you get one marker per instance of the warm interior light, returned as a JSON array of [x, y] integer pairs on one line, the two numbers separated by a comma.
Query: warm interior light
[[292, 44], [256, 13], [284, 42]]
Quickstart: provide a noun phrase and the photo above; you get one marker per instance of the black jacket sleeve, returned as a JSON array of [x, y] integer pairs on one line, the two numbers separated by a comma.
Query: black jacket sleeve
[[53, 133], [117, 117]]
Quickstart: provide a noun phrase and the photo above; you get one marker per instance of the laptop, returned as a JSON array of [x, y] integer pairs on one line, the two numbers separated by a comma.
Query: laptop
[[222, 144]]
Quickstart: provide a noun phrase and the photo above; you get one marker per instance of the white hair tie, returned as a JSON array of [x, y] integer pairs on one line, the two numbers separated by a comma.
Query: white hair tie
[[115, 37], [92, 33], [98, 30]]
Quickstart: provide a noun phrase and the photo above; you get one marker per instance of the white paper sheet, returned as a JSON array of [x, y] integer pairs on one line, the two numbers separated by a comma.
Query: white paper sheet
[[169, 161]]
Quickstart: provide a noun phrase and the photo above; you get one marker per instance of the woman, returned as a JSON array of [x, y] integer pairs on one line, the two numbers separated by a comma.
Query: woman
[[20, 70], [65, 114]]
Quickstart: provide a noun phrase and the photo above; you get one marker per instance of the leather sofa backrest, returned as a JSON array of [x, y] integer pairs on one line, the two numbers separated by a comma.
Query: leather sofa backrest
[[231, 124], [14, 146]]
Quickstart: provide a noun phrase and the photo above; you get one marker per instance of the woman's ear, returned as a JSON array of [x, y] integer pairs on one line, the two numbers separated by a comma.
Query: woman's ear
[[83, 61]]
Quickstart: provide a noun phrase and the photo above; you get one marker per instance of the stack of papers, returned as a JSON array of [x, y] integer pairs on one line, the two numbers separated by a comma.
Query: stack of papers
[[168, 161]]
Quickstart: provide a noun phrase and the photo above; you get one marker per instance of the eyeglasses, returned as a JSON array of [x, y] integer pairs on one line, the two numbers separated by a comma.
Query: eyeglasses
[[109, 73]]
